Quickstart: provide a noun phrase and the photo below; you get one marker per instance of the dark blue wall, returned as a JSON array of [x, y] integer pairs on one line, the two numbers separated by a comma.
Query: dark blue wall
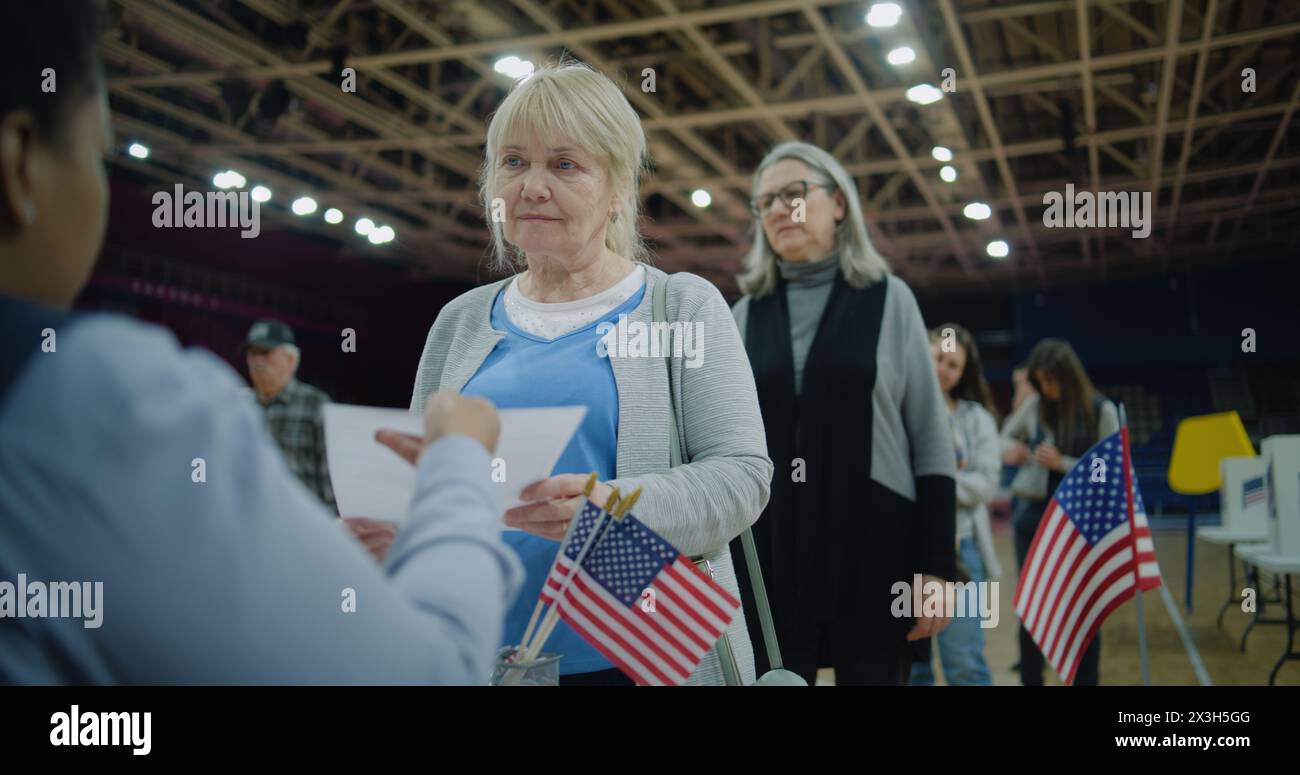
[[1178, 320]]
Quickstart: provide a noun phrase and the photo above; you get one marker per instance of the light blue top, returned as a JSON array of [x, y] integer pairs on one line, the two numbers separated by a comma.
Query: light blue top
[[698, 507], [239, 578], [524, 370]]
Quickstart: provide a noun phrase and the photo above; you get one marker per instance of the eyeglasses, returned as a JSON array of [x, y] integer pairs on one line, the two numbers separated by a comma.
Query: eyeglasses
[[791, 194]]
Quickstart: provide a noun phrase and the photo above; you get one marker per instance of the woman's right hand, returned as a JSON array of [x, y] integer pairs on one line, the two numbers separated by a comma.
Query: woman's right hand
[[1015, 455], [1049, 457]]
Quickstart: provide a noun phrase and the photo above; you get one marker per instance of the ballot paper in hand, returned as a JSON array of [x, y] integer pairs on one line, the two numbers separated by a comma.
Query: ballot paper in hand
[[370, 480]]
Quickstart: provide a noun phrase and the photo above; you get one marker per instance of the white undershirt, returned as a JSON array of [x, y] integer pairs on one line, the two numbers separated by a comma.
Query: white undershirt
[[555, 319]]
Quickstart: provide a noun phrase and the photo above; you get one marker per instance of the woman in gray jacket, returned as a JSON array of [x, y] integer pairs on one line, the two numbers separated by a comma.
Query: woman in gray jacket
[[1046, 436], [564, 154], [863, 496]]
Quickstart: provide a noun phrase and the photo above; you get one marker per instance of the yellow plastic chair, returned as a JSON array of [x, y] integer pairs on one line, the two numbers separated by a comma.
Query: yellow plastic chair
[[1200, 444]]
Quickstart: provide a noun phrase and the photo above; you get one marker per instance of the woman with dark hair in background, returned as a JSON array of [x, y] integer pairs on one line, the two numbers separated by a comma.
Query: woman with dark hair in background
[[975, 442], [1051, 430]]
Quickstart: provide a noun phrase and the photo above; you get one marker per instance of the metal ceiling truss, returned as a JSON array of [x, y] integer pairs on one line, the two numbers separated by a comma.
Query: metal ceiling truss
[[1102, 95]]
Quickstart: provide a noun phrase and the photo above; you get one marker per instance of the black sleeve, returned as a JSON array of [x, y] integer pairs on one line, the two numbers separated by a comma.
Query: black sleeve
[[935, 550]]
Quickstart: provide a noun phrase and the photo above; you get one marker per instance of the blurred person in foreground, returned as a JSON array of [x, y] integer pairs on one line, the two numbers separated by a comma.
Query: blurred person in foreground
[[232, 577]]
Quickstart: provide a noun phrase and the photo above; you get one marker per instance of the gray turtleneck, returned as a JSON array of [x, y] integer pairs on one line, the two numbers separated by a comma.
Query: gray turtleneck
[[910, 435], [808, 288]]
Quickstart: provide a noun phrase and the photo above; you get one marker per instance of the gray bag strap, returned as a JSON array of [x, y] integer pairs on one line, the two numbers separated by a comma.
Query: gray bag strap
[[659, 307]]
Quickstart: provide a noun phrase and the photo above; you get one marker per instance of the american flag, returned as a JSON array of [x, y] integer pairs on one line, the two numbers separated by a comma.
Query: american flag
[[1080, 566], [661, 641], [1252, 492], [591, 519]]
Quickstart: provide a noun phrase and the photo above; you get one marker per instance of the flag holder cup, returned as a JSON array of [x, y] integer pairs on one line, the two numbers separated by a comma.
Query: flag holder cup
[[544, 670], [525, 664]]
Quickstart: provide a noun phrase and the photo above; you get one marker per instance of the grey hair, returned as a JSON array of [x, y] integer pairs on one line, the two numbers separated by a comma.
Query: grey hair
[[860, 262], [293, 350], [570, 98]]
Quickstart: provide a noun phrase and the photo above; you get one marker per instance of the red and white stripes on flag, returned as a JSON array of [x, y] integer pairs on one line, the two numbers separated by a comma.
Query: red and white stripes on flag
[[658, 647], [641, 603], [1087, 557]]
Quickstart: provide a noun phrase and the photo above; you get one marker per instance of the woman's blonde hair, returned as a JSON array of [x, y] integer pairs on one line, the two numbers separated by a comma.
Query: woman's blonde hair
[[572, 100], [860, 262]]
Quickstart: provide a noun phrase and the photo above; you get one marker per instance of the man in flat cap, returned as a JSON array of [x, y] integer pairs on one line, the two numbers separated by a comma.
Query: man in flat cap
[[293, 409]]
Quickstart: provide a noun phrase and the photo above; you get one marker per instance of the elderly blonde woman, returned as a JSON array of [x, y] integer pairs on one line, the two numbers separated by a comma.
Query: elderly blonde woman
[[864, 494], [564, 155]]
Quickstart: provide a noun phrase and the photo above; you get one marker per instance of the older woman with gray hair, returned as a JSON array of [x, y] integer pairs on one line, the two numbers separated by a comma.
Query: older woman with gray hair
[[564, 156], [864, 493]]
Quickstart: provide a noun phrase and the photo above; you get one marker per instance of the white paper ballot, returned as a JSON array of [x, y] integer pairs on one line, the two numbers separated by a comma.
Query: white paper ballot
[[370, 480]]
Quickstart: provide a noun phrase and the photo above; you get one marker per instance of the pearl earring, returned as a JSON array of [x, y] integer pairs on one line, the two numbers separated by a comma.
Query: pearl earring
[[29, 211]]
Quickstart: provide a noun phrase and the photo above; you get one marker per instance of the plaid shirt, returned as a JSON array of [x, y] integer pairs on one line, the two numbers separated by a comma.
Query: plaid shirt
[[295, 419]]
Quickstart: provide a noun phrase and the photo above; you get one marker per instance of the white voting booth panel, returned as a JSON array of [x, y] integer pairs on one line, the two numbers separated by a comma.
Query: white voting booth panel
[[1243, 495], [1282, 460]]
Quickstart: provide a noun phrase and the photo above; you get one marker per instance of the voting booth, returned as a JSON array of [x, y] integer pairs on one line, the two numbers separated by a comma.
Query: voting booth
[[1282, 460], [1280, 556], [1243, 498]]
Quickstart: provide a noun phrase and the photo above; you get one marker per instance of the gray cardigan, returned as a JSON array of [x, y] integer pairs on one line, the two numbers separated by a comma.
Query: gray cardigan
[[723, 487], [977, 483]]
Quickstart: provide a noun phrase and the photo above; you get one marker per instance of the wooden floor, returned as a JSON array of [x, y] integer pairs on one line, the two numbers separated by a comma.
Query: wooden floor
[[1170, 665]]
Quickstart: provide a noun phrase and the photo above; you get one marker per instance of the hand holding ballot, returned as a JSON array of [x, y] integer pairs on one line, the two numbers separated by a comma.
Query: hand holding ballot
[[446, 413], [547, 504], [377, 483]]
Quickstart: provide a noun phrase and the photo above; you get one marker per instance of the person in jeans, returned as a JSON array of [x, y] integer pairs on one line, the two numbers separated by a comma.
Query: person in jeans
[[975, 442], [1050, 431]]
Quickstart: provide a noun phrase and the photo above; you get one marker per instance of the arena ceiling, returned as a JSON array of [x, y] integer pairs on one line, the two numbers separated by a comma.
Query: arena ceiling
[[1102, 95]]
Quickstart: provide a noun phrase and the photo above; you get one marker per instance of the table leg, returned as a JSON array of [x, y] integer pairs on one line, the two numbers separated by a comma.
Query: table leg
[[1290, 635], [1232, 588], [1252, 581], [1191, 549]]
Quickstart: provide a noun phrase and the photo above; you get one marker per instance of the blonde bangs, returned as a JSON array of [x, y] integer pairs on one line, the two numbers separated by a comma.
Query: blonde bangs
[[573, 101], [536, 110]]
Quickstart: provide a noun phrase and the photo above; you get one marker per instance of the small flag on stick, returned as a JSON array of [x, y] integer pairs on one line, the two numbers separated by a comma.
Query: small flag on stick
[[644, 605]]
